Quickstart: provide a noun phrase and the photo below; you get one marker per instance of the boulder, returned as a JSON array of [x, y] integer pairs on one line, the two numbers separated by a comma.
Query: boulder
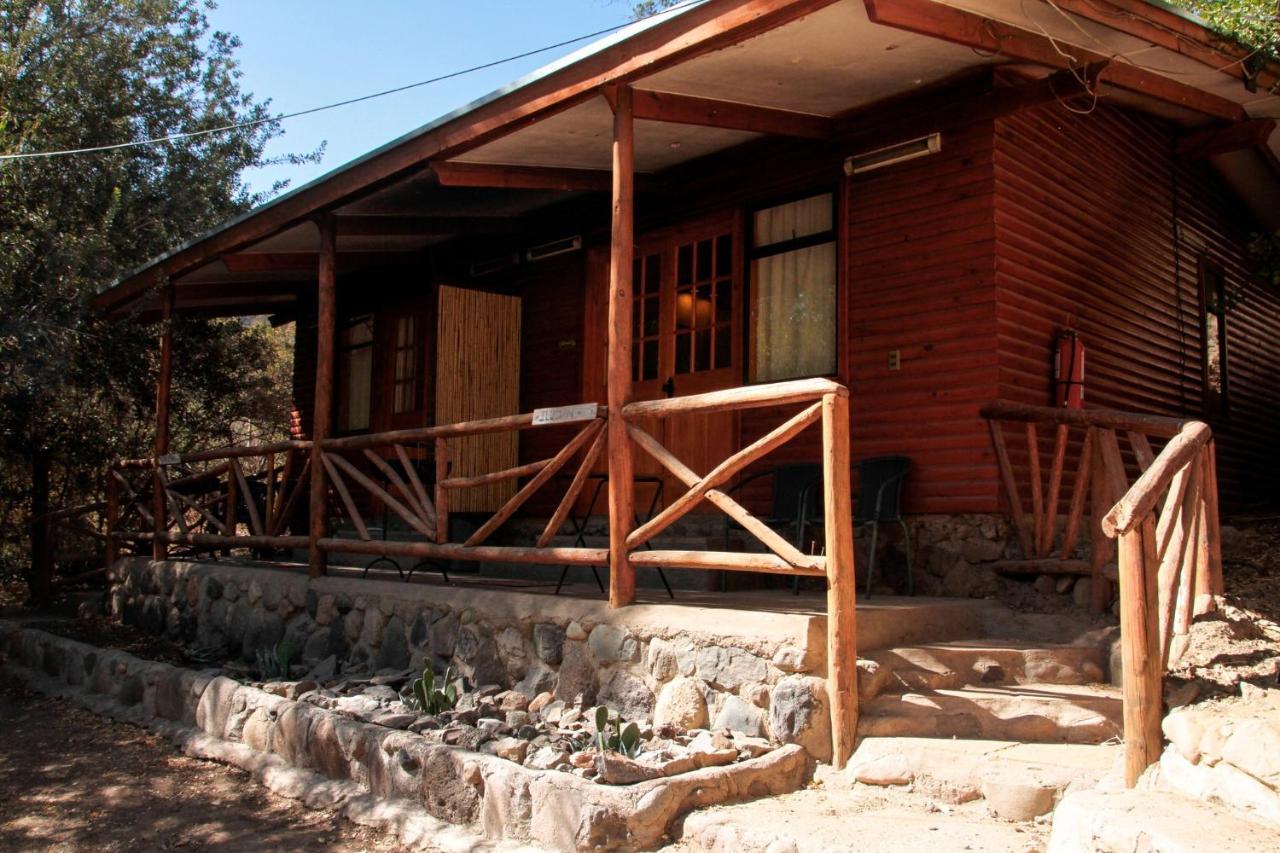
[[578, 682], [610, 643], [798, 714], [738, 715], [681, 703], [728, 668], [548, 642]]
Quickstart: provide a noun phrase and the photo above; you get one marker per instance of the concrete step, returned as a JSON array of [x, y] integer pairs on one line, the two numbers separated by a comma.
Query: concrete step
[[958, 663], [1031, 713], [1019, 781]]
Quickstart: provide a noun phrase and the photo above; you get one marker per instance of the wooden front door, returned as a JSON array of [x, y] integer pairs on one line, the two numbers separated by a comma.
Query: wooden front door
[[686, 337]]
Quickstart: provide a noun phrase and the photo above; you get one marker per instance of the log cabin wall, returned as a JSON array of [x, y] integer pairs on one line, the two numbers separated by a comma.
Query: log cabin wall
[[1085, 211]]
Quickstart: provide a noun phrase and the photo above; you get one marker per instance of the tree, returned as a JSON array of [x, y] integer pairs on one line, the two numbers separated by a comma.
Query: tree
[[1253, 23], [75, 390]]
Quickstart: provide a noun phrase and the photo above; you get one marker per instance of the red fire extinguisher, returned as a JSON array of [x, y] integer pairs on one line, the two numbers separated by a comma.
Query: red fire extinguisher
[[1068, 370]]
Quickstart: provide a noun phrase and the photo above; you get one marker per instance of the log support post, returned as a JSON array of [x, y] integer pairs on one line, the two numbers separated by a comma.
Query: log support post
[[842, 651], [622, 582], [1140, 650], [159, 508], [326, 329]]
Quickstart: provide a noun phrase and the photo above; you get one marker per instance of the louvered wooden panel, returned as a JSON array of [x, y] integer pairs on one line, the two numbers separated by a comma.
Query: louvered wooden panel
[[478, 376], [1084, 213]]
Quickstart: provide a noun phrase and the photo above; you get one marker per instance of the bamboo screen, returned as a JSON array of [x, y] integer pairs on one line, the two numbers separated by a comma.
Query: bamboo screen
[[478, 376]]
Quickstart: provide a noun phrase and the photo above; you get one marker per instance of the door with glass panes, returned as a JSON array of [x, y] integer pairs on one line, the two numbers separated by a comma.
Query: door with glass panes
[[685, 339]]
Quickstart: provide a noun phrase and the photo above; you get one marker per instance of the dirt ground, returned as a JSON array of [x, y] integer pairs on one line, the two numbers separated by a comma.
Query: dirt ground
[[70, 780]]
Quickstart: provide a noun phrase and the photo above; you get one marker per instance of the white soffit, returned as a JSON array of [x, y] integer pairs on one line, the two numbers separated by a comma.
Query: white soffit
[[826, 63]]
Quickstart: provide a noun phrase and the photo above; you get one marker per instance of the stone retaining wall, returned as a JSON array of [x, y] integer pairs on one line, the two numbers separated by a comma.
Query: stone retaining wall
[[757, 673], [498, 798]]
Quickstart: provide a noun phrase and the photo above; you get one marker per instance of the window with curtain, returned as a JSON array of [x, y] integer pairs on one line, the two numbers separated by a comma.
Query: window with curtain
[[355, 373], [793, 290], [1213, 330], [405, 360]]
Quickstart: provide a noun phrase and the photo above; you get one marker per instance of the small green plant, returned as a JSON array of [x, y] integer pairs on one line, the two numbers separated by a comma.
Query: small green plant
[[424, 696], [274, 663], [624, 739]]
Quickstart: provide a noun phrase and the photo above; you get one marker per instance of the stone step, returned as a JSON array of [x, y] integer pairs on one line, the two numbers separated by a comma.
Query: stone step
[[1031, 713], [958, 663], [1019, 781], [1121, 821]]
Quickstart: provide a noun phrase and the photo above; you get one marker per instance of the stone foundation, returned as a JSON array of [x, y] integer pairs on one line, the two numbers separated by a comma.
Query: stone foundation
[[759, 673], [328, 759]]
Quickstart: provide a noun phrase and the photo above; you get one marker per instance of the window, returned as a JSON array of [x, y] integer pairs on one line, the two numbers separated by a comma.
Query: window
[[793, 290], [704, 304], [646, 316], [1213, 334], [406, 357], [355, 373]]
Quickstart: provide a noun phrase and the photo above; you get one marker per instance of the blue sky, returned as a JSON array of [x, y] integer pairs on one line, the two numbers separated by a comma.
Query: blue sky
[[304, 54]]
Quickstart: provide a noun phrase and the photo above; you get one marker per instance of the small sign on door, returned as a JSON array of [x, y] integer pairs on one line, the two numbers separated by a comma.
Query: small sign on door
[[564, 414]]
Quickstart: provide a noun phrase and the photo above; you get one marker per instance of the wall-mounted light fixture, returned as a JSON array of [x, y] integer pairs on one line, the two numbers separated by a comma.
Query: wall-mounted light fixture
[[891, 154]]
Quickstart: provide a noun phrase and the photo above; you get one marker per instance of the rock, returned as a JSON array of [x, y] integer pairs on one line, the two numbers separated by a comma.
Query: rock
[[740, 716], [476, 655], [1064, 584], [551, 713], [394, 652], [512, 700], [627, 694], [615, 769], [1046, 584], [575, 632], [371, 627], [381, 692], [395, 721], [516, 719], [353, 624], [756, 694], [510, 748], [578, 682], [681, 703], [490, 725], [419, 634], [546, 758], [609, 643], [1016, 798], [792, 659], [539, 702], [966, 580], [661, 660], [548, 642], [262, 632], [798, 714], [512, 649], [444, 635], [538, 678], [1082, 592], [728, 667]]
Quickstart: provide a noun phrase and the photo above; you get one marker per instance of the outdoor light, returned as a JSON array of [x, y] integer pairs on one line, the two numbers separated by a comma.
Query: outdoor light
[[891, 154]]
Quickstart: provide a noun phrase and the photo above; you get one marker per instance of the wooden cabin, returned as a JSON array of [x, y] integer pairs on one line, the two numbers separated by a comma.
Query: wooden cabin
[[880, 214]]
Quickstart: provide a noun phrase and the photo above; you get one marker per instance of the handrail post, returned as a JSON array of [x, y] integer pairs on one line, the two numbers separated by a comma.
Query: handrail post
[[326, 330], [159, 507], [842, 646], [1140, 652], [442, 493]]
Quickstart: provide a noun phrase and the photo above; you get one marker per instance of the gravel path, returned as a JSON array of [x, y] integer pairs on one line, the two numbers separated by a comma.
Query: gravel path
[[70, 780]]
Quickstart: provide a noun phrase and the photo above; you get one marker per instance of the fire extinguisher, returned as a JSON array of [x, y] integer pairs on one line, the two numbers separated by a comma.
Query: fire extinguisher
[[1068, 370]]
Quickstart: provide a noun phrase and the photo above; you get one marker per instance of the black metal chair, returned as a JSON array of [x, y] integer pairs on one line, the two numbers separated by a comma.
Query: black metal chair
[[880, 481], [796, 503]]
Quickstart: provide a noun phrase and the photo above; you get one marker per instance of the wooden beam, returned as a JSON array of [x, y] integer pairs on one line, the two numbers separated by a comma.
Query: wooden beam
[[455, 174], [262, 262], [322, 418], [382, 225], [159, 510], [1238, 136], [981, 33], [1140, 652], [842, 625], [622, 576], [728, 115]]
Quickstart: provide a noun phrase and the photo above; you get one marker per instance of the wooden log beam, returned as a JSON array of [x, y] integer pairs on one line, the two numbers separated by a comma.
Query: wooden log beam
[[1214, 526], [246, 495], [406, 514], [484, 553], [1042, 566], [506, 423], [348, 503], [1037, 487], [163, 382], [622, 578], [731, 399], [215, 541], [282, 518], [1080, 491], [322, 419], [1156, 425], [460, 174], [1140, 653], [1011, 489], [410, 497], [731, 561], [729, 115], [1226, 139], [411, 473], [379, 225], [842, 626], [1142, 498], [513, 473], [975, 31], [1050, 528], [575, 488], [722, 473]]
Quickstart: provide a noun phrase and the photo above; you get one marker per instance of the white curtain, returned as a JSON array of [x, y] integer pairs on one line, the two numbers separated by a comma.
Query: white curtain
[[795, 332]]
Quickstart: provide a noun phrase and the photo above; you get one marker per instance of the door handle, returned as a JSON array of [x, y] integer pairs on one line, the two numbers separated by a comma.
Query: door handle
[[669, 387]]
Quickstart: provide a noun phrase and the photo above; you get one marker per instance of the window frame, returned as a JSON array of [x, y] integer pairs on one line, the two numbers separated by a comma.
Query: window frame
[[342, 353], [1215, 403], [752, 253]]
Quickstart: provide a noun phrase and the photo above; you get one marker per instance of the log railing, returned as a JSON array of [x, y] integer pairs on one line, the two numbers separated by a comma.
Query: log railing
[[1169, 560], [349, 462], [229, 497], [823, 402]]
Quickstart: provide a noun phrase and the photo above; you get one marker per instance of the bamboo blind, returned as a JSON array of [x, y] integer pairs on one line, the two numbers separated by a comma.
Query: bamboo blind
[[478, 376]]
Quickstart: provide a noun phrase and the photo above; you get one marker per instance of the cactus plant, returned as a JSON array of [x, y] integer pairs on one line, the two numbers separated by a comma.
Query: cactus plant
[[274, 663], [422, 695], [625, 737]]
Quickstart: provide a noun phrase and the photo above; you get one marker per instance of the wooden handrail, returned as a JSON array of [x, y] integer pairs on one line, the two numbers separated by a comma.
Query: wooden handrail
[[478, 427], [228, 452], [1157, 425], [747, 397], [1142, 496]]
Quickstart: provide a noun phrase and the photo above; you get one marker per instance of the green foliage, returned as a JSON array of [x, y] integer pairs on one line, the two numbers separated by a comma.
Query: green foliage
[[1255, 23], [624, 738], [76, 390], [423, 696], [648, 8], [274, 663]]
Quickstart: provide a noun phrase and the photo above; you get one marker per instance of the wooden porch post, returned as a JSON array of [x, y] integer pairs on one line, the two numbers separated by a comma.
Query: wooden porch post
[[622, 580], [1140, 650], [842, 622], [159, 508], [326, 323]]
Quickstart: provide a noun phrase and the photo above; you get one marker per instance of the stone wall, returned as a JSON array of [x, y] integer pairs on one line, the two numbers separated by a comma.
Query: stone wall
[[755, 672]]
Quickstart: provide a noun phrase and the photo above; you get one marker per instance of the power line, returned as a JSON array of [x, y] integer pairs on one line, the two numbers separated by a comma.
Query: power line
[[174, 137]]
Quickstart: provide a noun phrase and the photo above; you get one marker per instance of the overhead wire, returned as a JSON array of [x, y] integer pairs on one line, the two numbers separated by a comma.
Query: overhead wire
[[176, 137]]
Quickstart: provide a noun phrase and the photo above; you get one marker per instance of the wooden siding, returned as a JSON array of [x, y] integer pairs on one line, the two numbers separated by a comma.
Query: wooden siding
[[1100, 227]]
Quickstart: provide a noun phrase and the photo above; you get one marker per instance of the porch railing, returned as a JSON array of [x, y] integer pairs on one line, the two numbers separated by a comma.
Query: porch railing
[[1170, 557]]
